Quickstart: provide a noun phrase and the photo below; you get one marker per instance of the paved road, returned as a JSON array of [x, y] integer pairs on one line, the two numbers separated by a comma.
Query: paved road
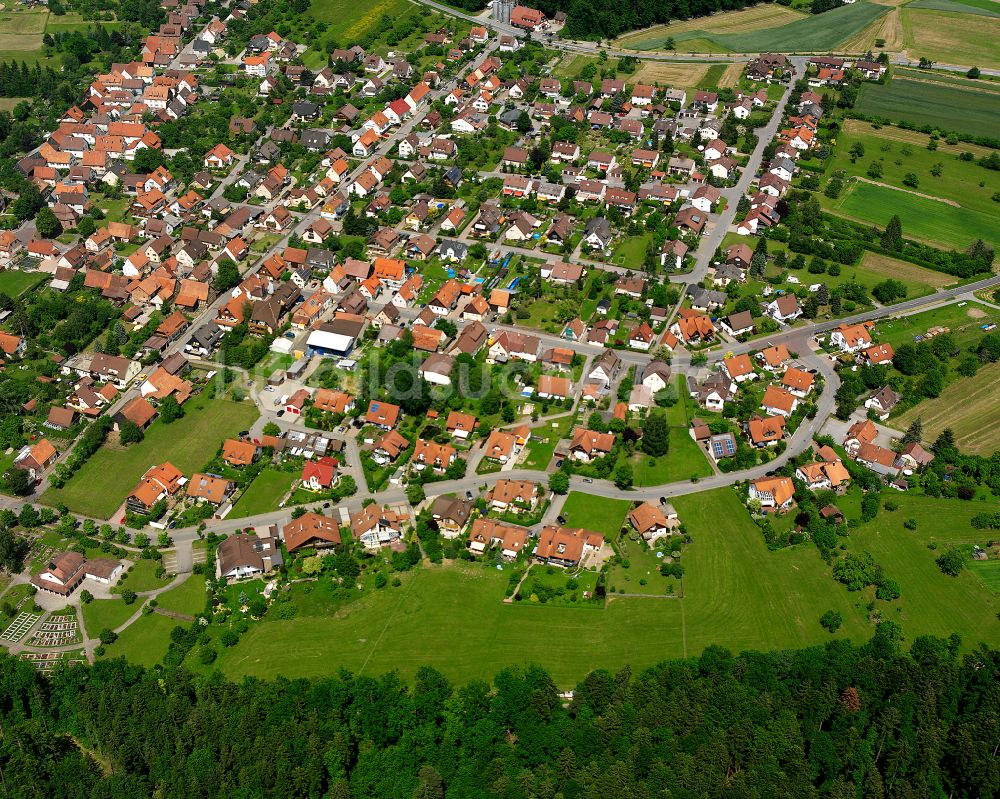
[[712, 240], [883, 312]]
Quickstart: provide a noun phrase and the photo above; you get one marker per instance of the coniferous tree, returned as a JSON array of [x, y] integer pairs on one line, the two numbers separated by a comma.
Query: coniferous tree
[[892, 238]]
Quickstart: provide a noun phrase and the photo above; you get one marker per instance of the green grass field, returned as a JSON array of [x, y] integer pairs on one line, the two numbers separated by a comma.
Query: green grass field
[[924, 219], [347, 19], [987, 8], [106, 614], [685, 459], [958, 182], [643, 566], [931, 603], [950, 38], [737, 594], [988, 571], [102, 484], [263, 494], [713, 76], [809, 33], [145, 641], [188, 597], [942, 106], [815, 32], [631, 252], [595, 513], [13, 282]]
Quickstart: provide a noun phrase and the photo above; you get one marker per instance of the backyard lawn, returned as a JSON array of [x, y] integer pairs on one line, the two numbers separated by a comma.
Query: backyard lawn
[[102, 484], [263, 494], [595, 513], [543, 441], [684, 461], [643, 573], [14, 282], [631, 252]]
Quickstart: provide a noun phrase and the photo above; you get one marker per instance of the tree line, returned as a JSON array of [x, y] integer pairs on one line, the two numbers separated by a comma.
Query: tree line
[[840, 720]]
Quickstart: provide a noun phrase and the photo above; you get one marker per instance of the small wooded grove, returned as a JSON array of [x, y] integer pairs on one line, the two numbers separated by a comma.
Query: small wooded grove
[[840, 720]]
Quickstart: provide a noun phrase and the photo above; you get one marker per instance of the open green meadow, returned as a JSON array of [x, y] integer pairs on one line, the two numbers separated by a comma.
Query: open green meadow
[[988, 571], [931, 603], [21, 32], [761, 28], [972, 111], [104, 481], [928, 220], [737, 594], [263, 494], [958, 182], [453, 618], [967, 38]]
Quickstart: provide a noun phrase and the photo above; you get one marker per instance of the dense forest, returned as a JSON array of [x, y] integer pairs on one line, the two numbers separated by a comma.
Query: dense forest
[[606, 19], [840, 721]]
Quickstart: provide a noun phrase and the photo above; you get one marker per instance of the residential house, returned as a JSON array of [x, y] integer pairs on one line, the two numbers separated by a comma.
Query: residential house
[[652, 523], [561, 546], [773, 493], [587, 445]]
